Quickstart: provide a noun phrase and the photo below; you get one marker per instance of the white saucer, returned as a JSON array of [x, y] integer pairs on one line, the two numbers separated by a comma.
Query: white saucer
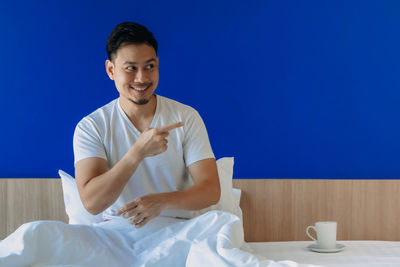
[[339, 247]]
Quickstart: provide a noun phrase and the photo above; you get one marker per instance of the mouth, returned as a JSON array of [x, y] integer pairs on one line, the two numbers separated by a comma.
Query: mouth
[[140, 89]]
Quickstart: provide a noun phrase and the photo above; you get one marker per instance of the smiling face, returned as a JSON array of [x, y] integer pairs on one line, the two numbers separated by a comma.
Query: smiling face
[[135, 72]]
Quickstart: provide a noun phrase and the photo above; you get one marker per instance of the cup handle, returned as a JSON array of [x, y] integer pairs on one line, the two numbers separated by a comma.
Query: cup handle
[[309, 235]]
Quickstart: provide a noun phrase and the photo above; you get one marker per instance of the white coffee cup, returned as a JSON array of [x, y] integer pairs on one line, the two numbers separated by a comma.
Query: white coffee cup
[[326, 234]]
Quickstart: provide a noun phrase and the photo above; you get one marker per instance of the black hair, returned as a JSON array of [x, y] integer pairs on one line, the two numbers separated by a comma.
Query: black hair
[[129, 33]]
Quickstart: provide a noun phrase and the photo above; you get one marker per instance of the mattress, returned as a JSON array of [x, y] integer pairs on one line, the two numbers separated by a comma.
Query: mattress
[[355, 253]]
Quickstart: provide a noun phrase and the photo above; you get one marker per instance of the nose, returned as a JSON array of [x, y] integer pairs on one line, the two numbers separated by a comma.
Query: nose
[[141, 76]]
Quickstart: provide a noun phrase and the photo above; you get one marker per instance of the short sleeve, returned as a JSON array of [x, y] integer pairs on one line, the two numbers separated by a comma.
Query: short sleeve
[[87, 141], [196, 144]]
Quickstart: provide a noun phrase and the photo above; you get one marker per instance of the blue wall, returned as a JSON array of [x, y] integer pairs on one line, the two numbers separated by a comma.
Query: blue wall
[[291, 89]]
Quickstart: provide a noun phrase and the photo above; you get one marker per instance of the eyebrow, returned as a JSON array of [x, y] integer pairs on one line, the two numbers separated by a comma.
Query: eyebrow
[[133, 62]]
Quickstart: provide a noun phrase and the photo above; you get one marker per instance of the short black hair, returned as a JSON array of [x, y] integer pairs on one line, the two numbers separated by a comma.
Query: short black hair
[[129, 33]]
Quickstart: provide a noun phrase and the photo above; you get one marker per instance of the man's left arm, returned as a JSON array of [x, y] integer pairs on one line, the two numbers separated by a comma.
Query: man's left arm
[[204, 193]]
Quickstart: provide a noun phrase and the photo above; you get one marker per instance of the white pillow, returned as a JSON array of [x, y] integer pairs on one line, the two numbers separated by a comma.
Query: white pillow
[[229, 200], [74, 208], [237, 194]]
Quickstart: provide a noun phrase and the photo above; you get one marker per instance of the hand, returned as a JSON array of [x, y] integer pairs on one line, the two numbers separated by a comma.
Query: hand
[[153, 141], [144, 208]]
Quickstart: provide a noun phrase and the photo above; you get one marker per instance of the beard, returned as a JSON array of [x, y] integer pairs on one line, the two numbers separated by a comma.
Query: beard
[[140, 102]]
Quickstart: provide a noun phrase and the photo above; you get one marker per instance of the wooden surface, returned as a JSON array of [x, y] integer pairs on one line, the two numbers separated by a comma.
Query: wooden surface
[[280, 210], [273, 210], [25, 200]]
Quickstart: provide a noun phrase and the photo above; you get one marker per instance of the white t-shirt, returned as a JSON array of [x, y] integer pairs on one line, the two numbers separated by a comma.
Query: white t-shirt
[[108, 133]]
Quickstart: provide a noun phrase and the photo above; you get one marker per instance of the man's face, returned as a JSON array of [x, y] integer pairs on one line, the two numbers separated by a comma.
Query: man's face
[[135, 72]]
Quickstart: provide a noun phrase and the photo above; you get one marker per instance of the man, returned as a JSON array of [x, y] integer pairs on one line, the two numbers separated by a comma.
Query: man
[[134, 155]]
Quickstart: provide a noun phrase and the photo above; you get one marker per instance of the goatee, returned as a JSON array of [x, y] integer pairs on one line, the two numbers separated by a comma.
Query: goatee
[[140, 102]]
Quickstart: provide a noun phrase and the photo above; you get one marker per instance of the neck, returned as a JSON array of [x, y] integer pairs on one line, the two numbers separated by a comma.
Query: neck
[[137, 113]]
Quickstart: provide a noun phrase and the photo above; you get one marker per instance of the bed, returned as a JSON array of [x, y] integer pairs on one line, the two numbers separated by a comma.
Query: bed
[[275, 215]]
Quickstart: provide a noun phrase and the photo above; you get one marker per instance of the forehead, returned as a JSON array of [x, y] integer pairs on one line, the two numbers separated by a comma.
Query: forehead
[[135, 52]]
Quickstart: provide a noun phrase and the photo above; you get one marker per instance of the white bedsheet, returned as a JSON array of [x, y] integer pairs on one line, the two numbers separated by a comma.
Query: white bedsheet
[[356, 253], [212, 239]]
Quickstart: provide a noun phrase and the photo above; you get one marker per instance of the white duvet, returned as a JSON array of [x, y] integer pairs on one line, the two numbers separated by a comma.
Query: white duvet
[[212, 239]]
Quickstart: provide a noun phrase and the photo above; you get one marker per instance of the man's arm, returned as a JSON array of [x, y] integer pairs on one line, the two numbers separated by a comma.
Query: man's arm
[[99, 188], [204, 192]]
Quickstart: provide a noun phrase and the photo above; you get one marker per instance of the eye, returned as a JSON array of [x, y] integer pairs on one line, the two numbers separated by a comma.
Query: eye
[[150, 66], [131, 68]]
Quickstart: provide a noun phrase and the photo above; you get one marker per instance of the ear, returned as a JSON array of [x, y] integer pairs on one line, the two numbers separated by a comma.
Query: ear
[[110, 69]]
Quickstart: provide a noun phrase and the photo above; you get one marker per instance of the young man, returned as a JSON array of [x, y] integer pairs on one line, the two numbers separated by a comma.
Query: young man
[[134, 155]]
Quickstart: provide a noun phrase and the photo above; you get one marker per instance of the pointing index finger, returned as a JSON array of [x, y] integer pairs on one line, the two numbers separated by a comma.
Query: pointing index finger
[[170, 127]]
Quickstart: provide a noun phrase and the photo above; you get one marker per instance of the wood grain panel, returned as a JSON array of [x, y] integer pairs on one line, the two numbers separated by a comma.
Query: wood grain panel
[[25, 200], [273, 209], [3, 209], [280, 210]]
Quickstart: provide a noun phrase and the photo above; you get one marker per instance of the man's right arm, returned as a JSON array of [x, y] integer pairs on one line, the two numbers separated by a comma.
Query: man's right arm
[[99, 188]]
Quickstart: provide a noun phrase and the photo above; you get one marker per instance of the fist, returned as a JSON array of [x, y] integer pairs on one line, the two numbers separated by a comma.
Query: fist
[[154, 141]]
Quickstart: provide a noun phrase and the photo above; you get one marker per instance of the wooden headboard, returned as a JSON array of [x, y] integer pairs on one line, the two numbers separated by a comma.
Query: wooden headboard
[[273, 209], [26, 200], [281, 209]]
